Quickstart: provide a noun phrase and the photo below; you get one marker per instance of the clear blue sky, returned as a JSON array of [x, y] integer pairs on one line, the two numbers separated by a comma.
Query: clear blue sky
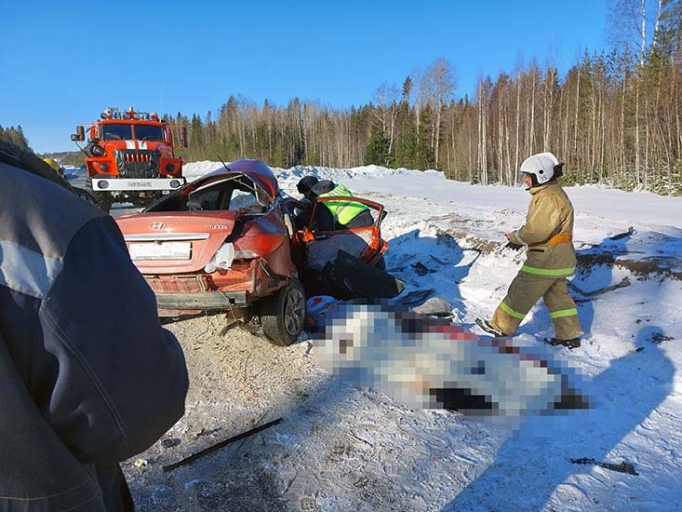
[[62, 63]]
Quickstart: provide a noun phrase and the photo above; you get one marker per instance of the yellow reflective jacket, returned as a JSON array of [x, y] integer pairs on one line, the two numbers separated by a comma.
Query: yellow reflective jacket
[[343, 211]]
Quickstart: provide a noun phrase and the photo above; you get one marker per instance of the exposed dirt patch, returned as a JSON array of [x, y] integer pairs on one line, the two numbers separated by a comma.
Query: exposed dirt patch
[[649, 267], [645, 267], [458, 238]]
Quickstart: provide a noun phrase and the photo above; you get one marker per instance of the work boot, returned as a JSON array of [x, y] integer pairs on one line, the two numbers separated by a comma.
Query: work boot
[[488, 327], [570, 344]]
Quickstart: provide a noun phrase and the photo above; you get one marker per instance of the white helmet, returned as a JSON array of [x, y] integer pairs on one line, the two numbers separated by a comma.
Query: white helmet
[[542, 165]]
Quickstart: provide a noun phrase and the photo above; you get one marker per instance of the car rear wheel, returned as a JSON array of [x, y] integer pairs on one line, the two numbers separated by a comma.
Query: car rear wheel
[[283, 313]]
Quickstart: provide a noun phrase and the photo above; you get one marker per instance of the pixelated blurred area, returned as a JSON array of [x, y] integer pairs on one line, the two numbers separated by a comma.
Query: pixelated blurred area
[[430, 363]]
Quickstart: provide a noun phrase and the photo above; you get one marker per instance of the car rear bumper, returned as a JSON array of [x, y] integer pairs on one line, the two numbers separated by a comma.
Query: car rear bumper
[[201, 300]]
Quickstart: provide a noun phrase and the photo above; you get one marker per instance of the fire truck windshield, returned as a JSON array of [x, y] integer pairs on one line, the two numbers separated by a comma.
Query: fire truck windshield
[[117, 132], [125, 132], [148, 132]]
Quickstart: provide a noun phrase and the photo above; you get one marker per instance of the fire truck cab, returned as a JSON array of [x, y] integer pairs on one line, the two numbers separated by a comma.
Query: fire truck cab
[[130, 157]]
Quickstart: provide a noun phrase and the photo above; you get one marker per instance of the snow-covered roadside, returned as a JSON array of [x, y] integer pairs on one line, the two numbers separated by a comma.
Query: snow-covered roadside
[[341, 448]]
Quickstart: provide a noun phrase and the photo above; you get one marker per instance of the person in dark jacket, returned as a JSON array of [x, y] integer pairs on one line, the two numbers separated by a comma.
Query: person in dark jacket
[[338, 214], [550, 257], [303, 207], [88, 377], [304, 186]]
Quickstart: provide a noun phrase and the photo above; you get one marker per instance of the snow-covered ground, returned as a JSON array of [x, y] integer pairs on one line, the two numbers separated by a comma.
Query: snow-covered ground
[[628, 364]]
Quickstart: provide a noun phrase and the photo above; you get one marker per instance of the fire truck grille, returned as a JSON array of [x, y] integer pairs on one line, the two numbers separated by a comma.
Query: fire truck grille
[[137, 163]]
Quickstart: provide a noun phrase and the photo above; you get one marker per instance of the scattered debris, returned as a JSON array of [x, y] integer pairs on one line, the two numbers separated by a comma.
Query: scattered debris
[[415, 297], [169, 443], [204, 432], [623, 467], [141, 463], [629, 232], [421, 269], [625, 282], [658, 337], [203, 452], [437, 306]]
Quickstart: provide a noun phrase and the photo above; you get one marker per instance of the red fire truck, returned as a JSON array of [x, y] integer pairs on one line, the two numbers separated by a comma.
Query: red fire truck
[[130, 157]]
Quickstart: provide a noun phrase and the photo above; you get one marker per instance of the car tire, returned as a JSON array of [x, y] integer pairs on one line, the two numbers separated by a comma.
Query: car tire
[[283, 314]]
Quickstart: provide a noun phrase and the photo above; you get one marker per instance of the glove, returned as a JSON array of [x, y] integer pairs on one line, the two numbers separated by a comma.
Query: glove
[[513, 246]]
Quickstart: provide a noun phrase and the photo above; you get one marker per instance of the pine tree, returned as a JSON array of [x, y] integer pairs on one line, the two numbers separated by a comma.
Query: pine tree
[[377, 152], [14, 135], [196, 144]]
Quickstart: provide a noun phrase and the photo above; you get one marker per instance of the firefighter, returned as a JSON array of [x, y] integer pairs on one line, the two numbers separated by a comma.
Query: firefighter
[[550, 257], [55, 167]]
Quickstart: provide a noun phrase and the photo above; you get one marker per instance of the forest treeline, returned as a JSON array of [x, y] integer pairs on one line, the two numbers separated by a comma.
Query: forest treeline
[[14, 135], [615, 117]]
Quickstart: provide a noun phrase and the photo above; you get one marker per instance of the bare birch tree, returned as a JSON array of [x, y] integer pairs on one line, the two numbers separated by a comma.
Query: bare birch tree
[[437, 88]]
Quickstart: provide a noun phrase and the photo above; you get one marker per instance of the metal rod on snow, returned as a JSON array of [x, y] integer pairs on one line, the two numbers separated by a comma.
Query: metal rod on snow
[[220, 445]]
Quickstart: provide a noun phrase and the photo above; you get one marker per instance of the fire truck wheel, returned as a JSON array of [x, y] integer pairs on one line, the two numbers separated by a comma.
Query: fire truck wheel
[[87, 196], [103, 200], [283, 314]]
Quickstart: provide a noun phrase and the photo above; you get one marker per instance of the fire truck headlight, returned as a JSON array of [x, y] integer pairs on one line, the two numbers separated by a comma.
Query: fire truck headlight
[[103, 184], [97, 150], [170, 167], [104, 167], [174, 183]]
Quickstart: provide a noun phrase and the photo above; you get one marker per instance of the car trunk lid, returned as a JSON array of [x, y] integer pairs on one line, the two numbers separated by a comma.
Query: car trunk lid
[[172, 242]]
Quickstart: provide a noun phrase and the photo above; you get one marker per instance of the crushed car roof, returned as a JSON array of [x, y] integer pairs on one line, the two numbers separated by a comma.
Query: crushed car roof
[[257, 170]]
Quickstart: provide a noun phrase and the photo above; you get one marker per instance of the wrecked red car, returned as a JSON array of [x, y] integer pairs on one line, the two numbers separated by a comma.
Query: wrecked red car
[[221, 243], [227, 241]]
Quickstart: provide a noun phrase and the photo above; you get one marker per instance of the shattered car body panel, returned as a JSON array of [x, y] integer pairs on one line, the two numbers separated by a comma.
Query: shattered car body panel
[[220, 242], [362, 242], [322, 255]]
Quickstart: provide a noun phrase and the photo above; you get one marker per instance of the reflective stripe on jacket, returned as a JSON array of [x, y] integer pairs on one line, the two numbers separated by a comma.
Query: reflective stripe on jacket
[[343, 211], [548, 233]]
